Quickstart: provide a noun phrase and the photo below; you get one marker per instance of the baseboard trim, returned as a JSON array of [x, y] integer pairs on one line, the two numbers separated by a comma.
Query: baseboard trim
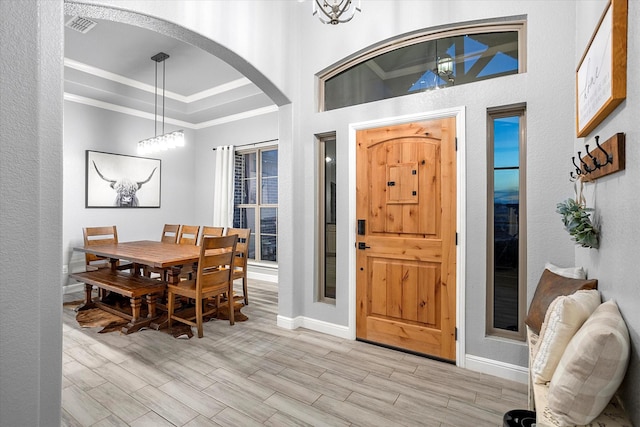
[[263, 277], [496, 368], [314, 325], [76, 287]]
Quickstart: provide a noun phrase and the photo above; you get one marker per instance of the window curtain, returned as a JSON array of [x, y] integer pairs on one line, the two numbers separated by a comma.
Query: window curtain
[[223, 187]]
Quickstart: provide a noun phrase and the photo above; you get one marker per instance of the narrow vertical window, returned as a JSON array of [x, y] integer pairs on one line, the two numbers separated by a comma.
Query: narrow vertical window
[[256, 200], [327, 218], [506, 293]]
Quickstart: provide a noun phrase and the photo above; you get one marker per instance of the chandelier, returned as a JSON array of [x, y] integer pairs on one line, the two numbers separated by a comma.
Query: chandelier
[[335, 12], [164, 141]]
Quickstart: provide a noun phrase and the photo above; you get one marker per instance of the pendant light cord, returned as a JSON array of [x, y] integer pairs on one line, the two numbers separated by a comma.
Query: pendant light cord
[[163, 85], [155, 100]]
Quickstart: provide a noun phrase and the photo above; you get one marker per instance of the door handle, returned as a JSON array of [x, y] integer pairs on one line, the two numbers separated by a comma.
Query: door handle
[[362, 246]]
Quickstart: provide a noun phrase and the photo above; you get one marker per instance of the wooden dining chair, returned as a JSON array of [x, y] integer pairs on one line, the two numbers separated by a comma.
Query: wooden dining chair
[[213, 279], [98, 236], [188, 235], [170, 233], [242, 254], [208, 231]]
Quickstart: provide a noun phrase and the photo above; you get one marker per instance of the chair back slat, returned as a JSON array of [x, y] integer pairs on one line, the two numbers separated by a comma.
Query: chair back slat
[[188, 235], [208, 231], [170, 233], [98, 236]]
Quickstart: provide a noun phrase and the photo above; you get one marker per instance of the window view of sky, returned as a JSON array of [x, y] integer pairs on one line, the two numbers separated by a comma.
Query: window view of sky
[[506, 155]]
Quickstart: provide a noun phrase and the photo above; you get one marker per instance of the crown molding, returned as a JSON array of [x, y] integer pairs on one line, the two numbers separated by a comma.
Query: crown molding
[[98, 72], [142, 114]]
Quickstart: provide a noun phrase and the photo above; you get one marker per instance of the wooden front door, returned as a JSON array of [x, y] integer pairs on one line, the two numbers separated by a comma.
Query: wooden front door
[[406, 241]]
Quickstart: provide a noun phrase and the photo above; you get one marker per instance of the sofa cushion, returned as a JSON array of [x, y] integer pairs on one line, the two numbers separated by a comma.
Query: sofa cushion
[[591, 368], [550, 286], [565, 316]]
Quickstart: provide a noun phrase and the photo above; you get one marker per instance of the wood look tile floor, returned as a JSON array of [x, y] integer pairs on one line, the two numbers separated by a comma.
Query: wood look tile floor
[[256, 374]]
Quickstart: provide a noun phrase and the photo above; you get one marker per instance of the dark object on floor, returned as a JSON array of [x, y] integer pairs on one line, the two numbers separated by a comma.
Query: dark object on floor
[[519, 418]]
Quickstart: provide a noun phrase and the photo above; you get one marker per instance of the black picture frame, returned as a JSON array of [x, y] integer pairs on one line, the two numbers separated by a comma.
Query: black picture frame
[[121, 181]]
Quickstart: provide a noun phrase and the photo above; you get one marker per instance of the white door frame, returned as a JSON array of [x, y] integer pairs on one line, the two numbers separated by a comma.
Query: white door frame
[[459, 114]]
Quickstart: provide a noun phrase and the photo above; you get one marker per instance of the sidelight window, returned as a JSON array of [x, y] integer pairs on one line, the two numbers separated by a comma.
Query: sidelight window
[[506, 296], [327, 218]]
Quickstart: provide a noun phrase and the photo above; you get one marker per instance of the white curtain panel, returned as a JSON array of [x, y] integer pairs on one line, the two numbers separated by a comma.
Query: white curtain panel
[[223, 187]]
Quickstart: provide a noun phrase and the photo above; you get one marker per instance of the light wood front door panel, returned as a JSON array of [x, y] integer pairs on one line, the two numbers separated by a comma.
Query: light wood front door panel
[[405, 278]]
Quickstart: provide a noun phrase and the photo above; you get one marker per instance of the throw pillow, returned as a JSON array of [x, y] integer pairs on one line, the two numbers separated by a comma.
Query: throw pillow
[[571, 272], [565, 316], [591, 368], [550, 286]]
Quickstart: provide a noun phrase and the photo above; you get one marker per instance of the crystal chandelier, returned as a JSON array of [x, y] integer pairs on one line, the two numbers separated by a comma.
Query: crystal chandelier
[[335, 11], [164, 141]]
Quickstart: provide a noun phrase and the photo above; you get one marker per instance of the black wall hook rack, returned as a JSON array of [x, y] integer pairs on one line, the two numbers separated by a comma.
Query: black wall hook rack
[[605, 159]]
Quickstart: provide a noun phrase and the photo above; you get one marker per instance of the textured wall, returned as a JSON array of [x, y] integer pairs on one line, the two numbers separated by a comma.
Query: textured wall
[[615, 263], [31, 213]]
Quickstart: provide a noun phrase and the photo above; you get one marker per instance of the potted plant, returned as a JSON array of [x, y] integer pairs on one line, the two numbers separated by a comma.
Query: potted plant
[[577, 221]]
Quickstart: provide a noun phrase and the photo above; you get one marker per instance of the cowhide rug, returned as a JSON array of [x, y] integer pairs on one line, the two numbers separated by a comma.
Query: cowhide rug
[[98, 318]]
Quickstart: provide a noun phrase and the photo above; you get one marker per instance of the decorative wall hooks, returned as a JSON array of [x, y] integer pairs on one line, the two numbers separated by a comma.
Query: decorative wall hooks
[[605, 159]]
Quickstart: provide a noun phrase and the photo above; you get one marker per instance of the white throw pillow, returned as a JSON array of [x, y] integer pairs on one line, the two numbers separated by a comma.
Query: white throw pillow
[[565, 316], [591, 368], [570, 272]]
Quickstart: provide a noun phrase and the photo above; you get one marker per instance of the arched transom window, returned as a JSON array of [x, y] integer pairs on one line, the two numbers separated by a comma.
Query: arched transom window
[[426, 61]]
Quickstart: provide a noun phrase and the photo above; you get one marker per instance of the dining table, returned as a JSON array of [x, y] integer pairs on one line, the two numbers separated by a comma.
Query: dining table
[[134, 256]]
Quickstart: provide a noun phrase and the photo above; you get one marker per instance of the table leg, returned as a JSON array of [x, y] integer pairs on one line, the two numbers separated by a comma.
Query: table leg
[[151, 304], [173, 274], [88, 300]]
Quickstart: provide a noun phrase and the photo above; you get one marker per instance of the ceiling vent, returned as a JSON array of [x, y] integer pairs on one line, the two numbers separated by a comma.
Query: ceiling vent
[[80, 24]]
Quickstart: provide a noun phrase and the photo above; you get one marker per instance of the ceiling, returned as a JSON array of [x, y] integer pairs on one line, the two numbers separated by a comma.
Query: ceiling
[[110, 66]]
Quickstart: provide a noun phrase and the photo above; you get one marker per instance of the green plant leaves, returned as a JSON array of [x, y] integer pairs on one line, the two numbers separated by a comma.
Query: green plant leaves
[[577, 221]]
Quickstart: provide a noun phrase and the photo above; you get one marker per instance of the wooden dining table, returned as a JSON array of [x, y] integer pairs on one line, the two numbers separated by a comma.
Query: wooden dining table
[[132, 284]]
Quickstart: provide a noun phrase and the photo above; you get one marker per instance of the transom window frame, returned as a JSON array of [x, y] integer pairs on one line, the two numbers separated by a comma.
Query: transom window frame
[[516, 23]]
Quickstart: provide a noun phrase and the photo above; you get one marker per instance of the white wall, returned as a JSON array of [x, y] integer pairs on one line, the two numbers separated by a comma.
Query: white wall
[[30, 212], [91, 128], [615, 263]]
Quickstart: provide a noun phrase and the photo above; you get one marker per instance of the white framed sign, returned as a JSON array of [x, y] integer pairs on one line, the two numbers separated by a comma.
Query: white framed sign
[[601, 77]]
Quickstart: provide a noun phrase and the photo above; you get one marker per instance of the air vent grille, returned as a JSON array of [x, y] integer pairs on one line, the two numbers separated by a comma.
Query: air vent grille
[[80, 24]]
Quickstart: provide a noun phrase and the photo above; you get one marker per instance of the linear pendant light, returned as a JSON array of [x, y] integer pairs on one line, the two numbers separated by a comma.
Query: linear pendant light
[[163, 141]]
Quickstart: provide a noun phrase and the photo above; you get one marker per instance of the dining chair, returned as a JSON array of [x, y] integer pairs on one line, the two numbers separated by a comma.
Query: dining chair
[[208, 231], [98, 236], [188, 235], [213, 279], [170, 233], [242, 254]]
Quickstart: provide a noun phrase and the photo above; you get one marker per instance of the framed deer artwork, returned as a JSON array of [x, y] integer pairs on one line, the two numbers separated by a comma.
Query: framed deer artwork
[[122, 181]]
